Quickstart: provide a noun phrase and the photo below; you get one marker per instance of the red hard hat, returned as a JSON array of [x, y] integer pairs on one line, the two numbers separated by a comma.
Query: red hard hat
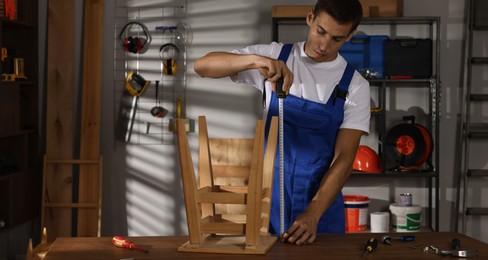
[[367, 160]]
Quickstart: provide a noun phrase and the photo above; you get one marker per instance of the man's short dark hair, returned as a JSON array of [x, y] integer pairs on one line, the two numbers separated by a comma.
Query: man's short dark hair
[[343, 11]]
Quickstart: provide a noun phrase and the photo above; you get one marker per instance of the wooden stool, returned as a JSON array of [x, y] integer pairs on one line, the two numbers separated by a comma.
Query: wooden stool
[[211, 231]]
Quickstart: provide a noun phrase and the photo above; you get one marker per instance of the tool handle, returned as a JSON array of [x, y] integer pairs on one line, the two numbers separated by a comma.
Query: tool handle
[[371, 244], [279, 89], [119, 241], [408, 238], [456, 244], [178, 107]]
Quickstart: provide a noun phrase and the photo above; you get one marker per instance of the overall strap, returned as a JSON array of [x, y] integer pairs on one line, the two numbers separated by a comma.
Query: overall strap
[[284, 53], [341, 90]]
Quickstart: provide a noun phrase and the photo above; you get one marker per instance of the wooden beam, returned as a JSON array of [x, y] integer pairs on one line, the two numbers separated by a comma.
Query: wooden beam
[[268, 174], [254, 196], [88, 219], [193, 214], [205, 174], [59, 114]]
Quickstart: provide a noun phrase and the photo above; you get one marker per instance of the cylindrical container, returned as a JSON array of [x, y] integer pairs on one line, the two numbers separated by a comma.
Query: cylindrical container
[[356, 211], [380, 222], [406, 219], [406, 199]]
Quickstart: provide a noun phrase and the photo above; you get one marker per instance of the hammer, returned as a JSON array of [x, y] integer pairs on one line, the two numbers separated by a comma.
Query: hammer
[[456, 250]]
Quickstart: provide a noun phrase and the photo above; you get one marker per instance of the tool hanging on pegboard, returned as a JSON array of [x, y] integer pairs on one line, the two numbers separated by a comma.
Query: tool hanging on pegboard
[[135, 86], [158, 110], [408, 145]]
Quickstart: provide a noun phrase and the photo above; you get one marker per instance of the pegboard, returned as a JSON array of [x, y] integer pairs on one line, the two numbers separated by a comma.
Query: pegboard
[[140, 32]]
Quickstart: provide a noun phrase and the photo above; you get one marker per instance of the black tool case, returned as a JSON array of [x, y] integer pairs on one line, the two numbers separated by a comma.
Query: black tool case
[[408, 58]]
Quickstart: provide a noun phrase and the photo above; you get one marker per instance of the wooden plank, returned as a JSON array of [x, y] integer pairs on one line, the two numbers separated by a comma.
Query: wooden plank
[[255, 188], [212, 225], [59, 113], [231, 160], [88, 219], [231, 245], [204, 196], [326, 246], [231, 171], [268, 174], [205, 174], [231, 151], [71, 205], [193, 214]]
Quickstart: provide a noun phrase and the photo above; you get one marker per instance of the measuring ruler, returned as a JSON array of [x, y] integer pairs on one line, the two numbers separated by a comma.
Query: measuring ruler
[[281, 95]]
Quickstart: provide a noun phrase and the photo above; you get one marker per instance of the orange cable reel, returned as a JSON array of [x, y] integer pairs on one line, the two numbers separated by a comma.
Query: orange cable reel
[[408, 145]]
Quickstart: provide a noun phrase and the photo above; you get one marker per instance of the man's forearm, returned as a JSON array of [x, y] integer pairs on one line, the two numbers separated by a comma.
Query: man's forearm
[[330, 187], [338, 173], [223, 64]]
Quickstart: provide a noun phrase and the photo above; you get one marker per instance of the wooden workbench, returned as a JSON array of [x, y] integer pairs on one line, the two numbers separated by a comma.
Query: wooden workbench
[[346, 246]]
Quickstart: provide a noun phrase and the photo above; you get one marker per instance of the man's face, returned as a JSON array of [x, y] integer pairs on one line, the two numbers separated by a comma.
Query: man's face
[[325, 37]]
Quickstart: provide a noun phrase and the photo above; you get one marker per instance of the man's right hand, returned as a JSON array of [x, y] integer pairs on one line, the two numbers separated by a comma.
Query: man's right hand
[[273, 70]]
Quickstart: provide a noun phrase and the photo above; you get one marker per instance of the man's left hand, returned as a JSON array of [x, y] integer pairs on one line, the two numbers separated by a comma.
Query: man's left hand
[[303, 231]]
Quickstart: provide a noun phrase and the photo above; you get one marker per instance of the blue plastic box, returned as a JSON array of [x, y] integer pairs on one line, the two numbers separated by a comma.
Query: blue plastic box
[[367, 54]]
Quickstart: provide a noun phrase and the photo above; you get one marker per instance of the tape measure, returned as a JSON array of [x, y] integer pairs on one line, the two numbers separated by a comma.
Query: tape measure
[[281, 95]]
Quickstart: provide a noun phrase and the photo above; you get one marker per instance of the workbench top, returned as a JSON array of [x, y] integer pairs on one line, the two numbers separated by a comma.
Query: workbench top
[[343, 246]]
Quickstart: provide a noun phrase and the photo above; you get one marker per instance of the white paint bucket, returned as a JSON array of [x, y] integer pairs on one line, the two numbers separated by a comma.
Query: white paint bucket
[[406, 218]]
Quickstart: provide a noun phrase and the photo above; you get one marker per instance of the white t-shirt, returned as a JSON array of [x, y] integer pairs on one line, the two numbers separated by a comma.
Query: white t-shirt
[[313, 81]]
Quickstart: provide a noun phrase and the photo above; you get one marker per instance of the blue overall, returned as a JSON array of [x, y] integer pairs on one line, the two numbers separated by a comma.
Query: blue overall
[[310, 131]]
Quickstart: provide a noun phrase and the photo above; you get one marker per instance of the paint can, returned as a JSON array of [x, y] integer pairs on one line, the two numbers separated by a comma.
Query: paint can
[[379, 222], [406, 199], [356, 212], [406, 219]]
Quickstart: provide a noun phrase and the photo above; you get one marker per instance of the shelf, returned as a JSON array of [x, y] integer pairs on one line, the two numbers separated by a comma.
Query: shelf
[[19, 120], [19, 133], [16, 83], [400, 80], [478, 130], [411, 174], [479, 60], [401, 20], [368, 20], [16, 23], [478, 97], [477, 173], [7, 175]]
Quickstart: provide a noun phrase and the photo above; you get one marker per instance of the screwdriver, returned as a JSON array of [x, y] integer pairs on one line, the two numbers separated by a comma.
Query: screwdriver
[[119, 241], [370, 246], [387, 239]]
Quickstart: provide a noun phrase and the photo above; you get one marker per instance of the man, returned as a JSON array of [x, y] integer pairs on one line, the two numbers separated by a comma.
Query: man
[[326, 113]]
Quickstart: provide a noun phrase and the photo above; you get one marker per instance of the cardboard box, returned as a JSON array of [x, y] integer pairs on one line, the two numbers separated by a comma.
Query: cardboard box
[[382, 8], [287, 11]]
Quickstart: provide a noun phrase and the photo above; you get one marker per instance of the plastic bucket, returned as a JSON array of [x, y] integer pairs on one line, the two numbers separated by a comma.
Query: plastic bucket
[[356, 212], [406, 218]]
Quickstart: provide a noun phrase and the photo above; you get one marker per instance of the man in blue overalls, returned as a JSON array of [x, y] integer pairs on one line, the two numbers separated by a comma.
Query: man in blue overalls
[[326, 113]]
